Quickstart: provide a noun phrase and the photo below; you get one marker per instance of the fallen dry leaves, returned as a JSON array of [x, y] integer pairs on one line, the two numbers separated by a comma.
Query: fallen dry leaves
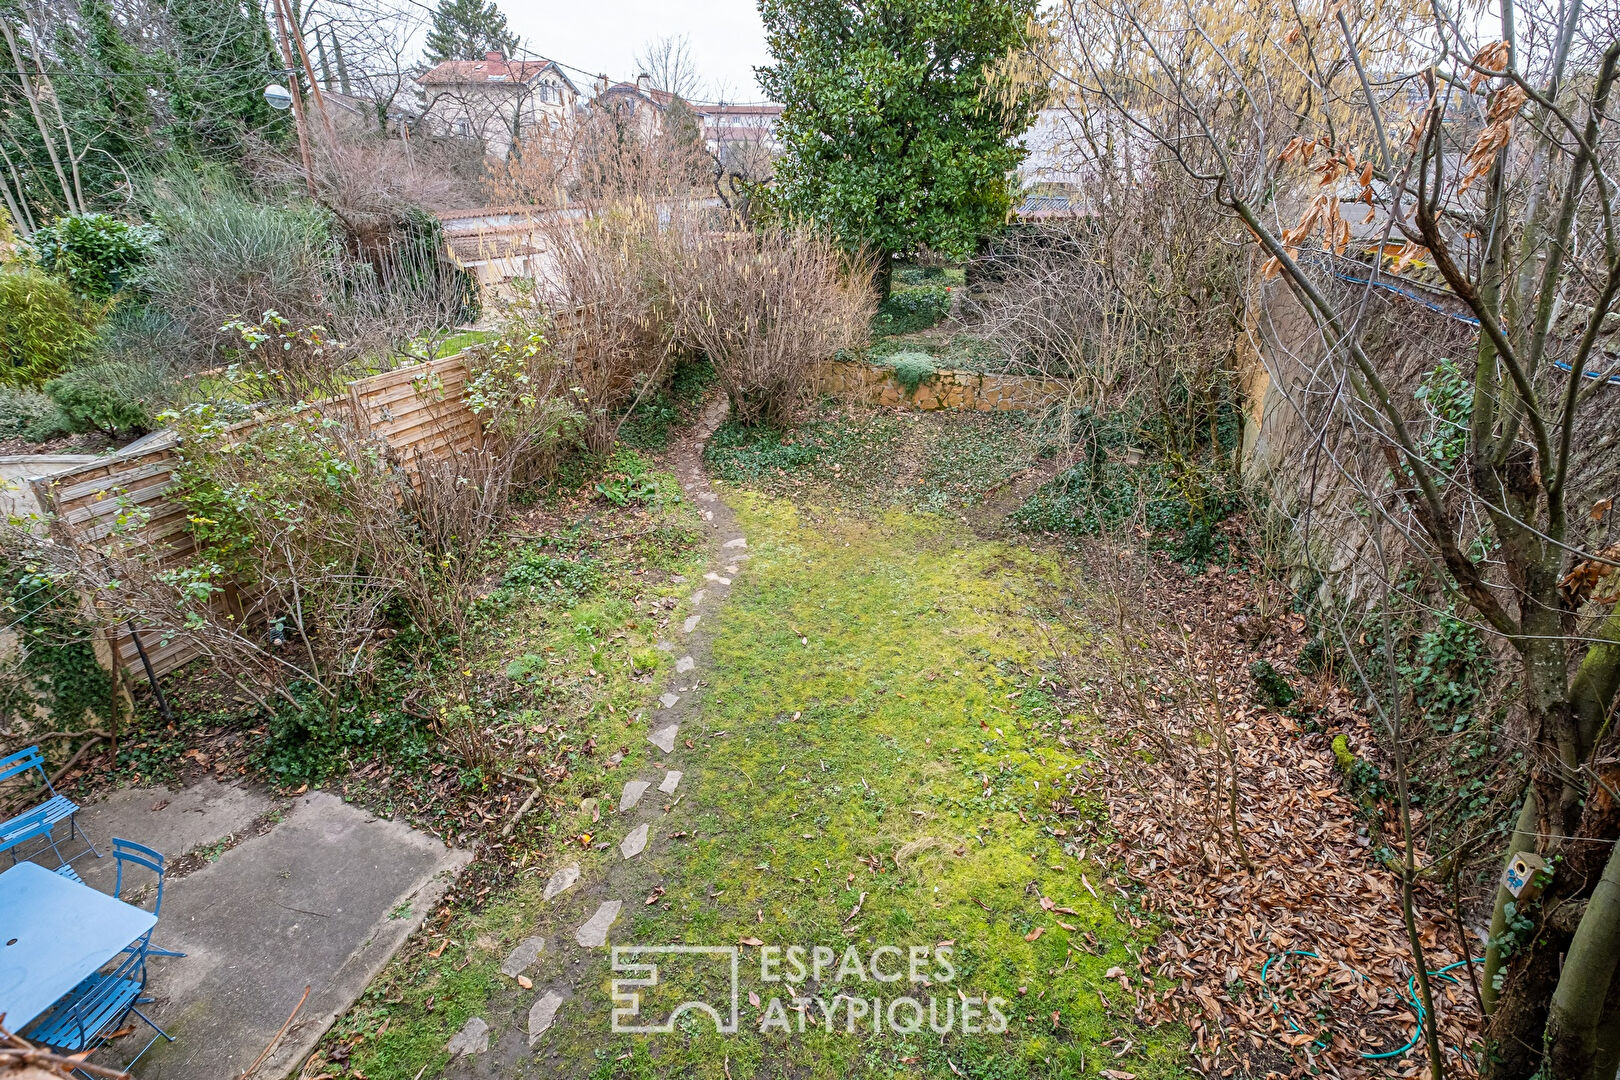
[[1314, 887]]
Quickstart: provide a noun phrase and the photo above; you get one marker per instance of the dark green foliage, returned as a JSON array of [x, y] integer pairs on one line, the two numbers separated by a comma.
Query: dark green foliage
[[740, 452], [1274, 689], [1096, 496], [1448, 670], [137, 86], [649, 424], [113, 397], [467, 29], [549, 577], [96, 254], [29, 414], [891, 135], [1448, 395], [56, 659], [907, 311]]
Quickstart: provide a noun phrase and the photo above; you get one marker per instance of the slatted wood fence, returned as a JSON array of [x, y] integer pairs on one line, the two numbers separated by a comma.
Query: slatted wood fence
[[418, 411]]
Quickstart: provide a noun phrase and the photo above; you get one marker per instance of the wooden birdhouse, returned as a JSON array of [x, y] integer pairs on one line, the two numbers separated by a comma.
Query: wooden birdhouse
[[1526, 875]]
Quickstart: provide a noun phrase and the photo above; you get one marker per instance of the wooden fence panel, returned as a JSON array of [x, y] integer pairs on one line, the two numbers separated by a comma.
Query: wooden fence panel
[[417, 411]]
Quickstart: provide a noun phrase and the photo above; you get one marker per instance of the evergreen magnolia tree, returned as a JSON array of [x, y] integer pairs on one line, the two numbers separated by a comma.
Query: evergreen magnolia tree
[[467, 29], [896, 132]]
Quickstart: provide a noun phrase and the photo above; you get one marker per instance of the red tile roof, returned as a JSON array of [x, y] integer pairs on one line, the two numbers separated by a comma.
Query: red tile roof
[[494, 68]]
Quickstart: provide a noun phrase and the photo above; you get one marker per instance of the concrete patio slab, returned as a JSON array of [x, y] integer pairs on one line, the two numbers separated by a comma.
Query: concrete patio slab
[[173, 822], [322, 900]]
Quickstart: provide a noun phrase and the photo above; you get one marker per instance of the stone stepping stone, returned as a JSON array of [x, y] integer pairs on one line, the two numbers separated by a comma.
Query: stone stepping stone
[[635, 843], [708, 515], [664, 738], [671, 780], [717, 577], [691, 623], [542, 1013], [668, 700], [740, 542], [708, 496], [684, 664], [633, 791], [699, 596], [593, 934], [522, 958], [679, 579], [473, 1038], [562, 880], [733, 570], [665, 646]]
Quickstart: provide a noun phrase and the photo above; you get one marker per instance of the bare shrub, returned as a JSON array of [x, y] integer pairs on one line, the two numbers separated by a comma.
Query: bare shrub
[[769, 309]]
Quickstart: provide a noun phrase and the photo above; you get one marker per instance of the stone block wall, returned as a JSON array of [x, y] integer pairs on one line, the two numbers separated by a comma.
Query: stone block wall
[[968, 391]]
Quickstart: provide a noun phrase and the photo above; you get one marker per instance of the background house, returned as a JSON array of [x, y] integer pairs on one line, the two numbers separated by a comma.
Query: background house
[[495, 100], [639, 104]]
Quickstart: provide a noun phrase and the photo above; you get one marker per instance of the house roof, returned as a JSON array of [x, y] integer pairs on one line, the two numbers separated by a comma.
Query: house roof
[[659, 98], [492, 70]]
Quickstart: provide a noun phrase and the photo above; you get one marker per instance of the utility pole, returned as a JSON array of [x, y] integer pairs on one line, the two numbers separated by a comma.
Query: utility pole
[[314, 83], [297, 98]]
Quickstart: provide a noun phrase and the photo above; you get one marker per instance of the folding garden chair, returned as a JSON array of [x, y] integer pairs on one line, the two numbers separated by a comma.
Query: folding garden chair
[[53, 810], [92, 1012], [34, 825], [129, 853]]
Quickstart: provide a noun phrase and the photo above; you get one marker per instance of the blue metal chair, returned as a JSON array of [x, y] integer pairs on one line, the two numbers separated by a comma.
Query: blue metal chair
[[129, 853], [34, 825], [54, 810], [91, 1012]]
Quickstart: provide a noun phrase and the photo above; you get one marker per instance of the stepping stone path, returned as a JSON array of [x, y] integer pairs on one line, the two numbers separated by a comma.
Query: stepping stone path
[[522, 958], [593, 934], [562, 880], [542, 1013], [636, 842], [473, 1038], [633, 791]]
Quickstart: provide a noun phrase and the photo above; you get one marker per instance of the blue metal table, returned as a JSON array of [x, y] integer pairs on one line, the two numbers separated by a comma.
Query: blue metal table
[[53, 933]]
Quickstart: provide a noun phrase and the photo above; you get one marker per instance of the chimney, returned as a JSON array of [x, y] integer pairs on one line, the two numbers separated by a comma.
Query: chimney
[[643, 82], [494, 56]]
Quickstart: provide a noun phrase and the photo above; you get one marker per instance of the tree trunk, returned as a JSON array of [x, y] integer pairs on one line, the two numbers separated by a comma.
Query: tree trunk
[[1522, 839], [883, 279], [1580, 1002]]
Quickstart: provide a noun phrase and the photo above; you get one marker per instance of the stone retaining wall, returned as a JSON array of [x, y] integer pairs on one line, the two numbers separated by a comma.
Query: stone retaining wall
[[969, 391]]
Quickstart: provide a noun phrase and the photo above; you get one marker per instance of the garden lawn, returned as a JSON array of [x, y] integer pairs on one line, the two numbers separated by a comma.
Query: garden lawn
[[879, 762]]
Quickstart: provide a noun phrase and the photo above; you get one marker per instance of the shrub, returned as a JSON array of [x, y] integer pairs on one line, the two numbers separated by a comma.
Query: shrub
[[911, 369], [29, 414], [225, 255], [907, 311], [96, 254], [769, 309], [43, 326], [112, 396]]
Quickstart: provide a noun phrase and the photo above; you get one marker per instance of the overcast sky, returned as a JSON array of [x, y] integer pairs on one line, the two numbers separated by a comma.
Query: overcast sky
[[726, 36]]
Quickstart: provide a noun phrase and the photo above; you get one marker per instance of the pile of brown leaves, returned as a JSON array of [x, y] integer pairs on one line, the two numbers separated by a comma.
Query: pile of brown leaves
[[1197, 768]]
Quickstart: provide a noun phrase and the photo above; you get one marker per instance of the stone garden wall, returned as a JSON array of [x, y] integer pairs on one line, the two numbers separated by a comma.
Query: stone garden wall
[[968, 391]]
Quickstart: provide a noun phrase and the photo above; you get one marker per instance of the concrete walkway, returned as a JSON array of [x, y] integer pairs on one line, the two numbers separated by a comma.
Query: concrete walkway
[[314, 893]]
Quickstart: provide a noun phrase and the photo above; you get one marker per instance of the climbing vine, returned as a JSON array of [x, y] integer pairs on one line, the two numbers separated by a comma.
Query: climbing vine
[[55, 664]]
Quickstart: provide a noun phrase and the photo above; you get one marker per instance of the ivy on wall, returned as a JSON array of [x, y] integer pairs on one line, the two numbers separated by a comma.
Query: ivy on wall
[[55, 663]]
